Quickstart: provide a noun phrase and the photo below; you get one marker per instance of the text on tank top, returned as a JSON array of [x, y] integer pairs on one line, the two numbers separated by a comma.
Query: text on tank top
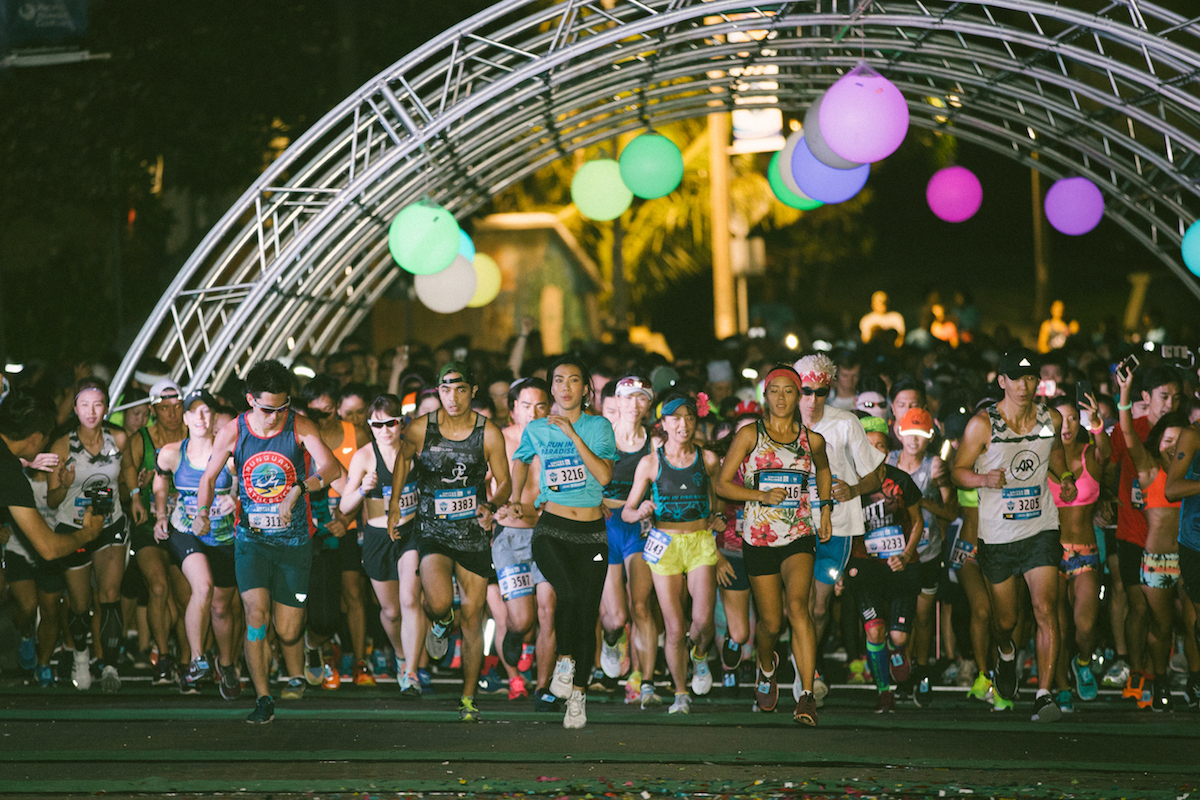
[[451, 484], [785, 465], [92, 472], [187, 484], [680, 495], [930, 544], [267, 468], [1023, 507]]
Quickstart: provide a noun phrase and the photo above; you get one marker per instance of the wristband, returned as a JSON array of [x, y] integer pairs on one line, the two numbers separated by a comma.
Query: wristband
[[1095, 430], [1067, 474], [202, 508], [361, 492], [303, 486], [134, 492], [491, 507], [320, 482], [1124, 406], [819, 503]]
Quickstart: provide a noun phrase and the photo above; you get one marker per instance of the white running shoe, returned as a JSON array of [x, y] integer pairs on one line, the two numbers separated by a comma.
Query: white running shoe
[[820, 689], [576, 716], [110, 681], [610, 659], [702, 679], [562, 683], [682, 704], [81, 671]]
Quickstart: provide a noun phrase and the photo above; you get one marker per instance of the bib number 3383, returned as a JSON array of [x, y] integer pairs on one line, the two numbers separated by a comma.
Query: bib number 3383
[[454, 503]]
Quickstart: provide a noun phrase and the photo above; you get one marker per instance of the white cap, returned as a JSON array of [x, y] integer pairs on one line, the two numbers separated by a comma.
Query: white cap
[[156, 391]]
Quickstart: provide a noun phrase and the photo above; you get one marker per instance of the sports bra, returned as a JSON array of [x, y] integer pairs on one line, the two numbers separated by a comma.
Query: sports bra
[[1087, 489], [1156, 492]]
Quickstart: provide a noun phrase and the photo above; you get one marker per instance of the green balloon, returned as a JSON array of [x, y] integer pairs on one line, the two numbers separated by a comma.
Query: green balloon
[[786, 195], [598, 191], [651, 166], [424, 238]]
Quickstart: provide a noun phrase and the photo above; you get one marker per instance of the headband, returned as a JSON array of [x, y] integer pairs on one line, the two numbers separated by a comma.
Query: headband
[[699, 406], [783, 372], [816, 377]]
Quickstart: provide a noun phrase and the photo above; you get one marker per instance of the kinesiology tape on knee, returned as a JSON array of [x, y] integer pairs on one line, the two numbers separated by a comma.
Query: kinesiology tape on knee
[[256, 633], [80, 626], [111, 625]]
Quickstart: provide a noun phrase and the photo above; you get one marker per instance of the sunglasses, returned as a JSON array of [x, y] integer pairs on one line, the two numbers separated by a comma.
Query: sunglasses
[[170, 400], [272, 409], [808, 391], [384, 423], [871, 404]]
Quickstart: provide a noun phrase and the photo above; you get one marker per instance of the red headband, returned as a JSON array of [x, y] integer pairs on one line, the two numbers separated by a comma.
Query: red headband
[[783, 372], [816, 377]]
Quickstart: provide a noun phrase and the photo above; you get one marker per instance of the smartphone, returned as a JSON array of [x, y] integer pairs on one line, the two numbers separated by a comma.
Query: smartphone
[[1178, 352], [1082, 390], [1128, 364]]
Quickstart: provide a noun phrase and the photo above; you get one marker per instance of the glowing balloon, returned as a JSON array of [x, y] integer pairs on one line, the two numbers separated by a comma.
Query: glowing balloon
[[424, 238], [449, 290], [466, 248], [824, 183], [786, 195], [1074, 206], [863, 116], [785, 175], [954, 194], [1191, 248], [816, 142], [598, 191], [487, 280], [651, 166]]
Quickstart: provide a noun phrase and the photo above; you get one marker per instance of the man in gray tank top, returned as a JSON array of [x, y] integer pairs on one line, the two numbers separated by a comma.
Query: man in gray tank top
[[1005, 454]]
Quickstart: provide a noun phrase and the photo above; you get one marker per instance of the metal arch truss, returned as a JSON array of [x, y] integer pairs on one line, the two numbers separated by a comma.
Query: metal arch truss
[[1112, 93]]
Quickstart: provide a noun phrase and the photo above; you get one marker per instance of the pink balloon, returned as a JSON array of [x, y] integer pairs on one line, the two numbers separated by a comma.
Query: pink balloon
[[954, 194], [863, 117], [1074, 206]]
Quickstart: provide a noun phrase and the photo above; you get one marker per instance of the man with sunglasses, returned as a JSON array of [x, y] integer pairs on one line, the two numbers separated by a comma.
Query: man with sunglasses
[[454, 447], [857, 469], [278, 460]]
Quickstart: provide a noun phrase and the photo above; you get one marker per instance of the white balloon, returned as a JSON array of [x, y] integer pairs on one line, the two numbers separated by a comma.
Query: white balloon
[[816, 143], [785, 165], [449, 290]]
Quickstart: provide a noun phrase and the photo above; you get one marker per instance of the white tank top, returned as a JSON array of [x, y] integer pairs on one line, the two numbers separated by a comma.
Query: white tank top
[[1024, 507], [99, 471]]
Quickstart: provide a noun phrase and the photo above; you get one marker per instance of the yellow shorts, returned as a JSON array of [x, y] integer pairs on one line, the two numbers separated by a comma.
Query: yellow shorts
[[679, 552]]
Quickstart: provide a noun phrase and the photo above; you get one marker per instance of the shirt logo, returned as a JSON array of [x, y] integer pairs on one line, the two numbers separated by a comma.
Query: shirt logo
[[266, 476], [1024, 464]]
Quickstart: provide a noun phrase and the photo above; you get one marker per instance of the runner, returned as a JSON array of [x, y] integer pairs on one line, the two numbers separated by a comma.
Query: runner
[[779, 459], [453, 450], [207, 562], [1005, 454], [272, 450], [680, 549], [1183, 483], [570, 543]]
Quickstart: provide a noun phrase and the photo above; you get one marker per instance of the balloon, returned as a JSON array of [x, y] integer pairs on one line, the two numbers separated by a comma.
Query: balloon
[[863, 117], [779, 187], [1074, 206], [954, 194], [1191, 248], [487, 280], [824, 183], [424, 238], [449, 290], [598, 191], [786, 176], [816, 142], [466, 248], [651, 166]]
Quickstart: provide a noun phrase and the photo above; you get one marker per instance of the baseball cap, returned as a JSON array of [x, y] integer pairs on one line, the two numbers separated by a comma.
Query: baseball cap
[[201, 395], [1018, 363], [159, 389], [874, 424], [916, 422], [631, 384], [663, 378], [955, 424], [456, 367]]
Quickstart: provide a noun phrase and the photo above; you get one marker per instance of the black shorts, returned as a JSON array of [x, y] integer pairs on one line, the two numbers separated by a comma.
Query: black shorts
[[741, 581], [884, 594], [141, 537], [999, 562], [17, 568], [1129, 563], [347, 550], [115, 534], [1189, 571], [381, 556], [769, 560], [477, 561], [930, 574], [220, 557]]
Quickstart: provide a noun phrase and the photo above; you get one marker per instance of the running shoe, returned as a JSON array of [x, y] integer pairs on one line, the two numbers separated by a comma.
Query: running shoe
[[1085, 681], [649, 697], [1160, 694], [576, 715], [731, 655], [806, 710], [610, 656], [330, 679], [110, 681], [491, 682], [511, 646], [633, 687], [264, 711], [231, 686], [981, 689], [44, 675], [1066, 703], [820, 689], [410, 686], [27, 653], [379, 662], [766, 690], [1135, 686], [899, 666], [858, 672], [314, 667], [702, 679], [517, 688], [1191, 691], [525, 662], [162, 671], [682, 704], [467, 711], [886, 703], [922, 692], [362, 675], [544, 701], [1000, 704], [1045, 709], [81, 670], [1005, 678], [966, 672], [437, 640], [563, 679], [1117, 675], [189, 682], [294, 689], [425, 680], [729, 679]]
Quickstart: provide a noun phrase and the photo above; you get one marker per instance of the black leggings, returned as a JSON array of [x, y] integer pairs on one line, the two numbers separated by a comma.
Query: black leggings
[[577, 576]]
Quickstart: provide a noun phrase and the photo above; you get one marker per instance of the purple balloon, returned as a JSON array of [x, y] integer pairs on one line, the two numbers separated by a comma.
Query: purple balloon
[[1074, 206], [824, 183], [863, 116], [954, 194]]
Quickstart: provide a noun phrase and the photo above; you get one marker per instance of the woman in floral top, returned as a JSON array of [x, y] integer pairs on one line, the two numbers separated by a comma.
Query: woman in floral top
[[781, 459]]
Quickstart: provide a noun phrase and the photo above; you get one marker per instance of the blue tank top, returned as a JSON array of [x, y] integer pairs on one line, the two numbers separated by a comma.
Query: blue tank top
[[1189, 511], [680, 495], [266, 469], [619, 486], [451, 483], [187, 484]]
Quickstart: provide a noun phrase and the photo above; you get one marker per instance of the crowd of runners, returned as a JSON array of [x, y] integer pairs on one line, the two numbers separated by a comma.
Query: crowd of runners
[[961, 512]]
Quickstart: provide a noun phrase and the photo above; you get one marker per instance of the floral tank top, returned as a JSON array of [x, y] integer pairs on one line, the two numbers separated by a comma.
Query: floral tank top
[[770, 465]]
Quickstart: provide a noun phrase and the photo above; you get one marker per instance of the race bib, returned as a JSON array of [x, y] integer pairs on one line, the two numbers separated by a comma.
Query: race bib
[[264, 517], [739, 524], [961, 553], [516, 581], [1137, 498], [565, 474], [794, 483], [1024, 502], [454, 504], [656, 545], [408, 498], [885, 542]]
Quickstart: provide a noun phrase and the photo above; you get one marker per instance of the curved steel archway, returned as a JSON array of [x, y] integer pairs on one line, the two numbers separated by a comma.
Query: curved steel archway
[[295, 264]]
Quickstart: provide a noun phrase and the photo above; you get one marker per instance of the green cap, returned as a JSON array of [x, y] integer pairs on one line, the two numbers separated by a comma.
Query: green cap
[[874, 424], [452, 368]]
